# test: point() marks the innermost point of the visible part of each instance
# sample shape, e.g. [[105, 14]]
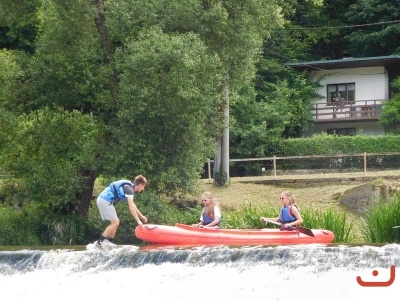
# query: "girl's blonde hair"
[[209, 209], [292, 199]]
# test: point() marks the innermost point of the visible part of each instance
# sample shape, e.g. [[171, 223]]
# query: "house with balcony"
[[353, 91]]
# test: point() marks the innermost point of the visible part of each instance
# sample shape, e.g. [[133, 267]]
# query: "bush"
[[35, 225], [19, 227]]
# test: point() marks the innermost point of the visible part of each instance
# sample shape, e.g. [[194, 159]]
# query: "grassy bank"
[[237, 193]]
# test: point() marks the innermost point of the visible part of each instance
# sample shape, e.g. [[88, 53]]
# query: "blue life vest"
[[207, 220], [114, 193], [286, 215]]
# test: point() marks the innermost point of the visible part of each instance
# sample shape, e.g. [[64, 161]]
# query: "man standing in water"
[[124, 191]]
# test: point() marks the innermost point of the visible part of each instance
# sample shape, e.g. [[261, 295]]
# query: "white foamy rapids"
[[171, 280]]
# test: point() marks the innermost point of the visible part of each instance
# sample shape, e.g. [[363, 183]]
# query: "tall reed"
[[377, 226], [330, 219], [247, 217]]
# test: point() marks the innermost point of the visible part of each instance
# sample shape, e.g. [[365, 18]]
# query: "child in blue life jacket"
[[289, 215], [210, 214]]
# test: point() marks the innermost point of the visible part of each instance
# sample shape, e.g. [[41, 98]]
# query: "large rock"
[[358, 198]]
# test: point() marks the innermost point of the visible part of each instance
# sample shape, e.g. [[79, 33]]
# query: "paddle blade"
[[304, 230]]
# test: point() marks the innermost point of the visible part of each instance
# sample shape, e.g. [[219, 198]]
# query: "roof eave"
[[346, 63]]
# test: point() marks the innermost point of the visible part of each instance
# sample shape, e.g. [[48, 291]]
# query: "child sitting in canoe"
[[210, 214], [289, 216]]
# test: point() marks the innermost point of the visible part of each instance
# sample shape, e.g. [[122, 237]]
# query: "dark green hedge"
[[332, 145]]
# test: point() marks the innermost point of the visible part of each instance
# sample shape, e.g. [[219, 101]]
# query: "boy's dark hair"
[[140, 179]]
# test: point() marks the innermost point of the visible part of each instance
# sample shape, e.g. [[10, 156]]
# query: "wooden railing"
[[362, 162], [355, 110]]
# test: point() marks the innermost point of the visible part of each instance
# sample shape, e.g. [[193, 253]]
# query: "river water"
[[132, 272]]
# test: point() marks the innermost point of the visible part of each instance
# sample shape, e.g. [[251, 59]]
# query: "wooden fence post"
[[365, 163], [274, 166]]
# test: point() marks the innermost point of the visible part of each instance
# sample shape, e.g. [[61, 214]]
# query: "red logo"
[[378, 283]]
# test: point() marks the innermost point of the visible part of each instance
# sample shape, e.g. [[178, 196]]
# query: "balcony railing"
[[363, 110]]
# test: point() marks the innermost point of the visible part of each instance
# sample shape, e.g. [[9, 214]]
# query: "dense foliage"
[[152, 86], [390, 116], [169, 87], [56, 165]]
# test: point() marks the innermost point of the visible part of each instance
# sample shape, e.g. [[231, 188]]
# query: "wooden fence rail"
[[274, 159]]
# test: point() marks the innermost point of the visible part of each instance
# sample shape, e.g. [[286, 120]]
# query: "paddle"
[[304, 230]]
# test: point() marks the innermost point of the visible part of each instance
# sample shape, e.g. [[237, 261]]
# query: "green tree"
[[18, 24], [169, 93], [11, 73], [255, 125], [330, 42], [67, 69], [374, 40], [72, 69], [390, 114], [286, 92], [237, 38], [48, 155], [55, 150], [233, 30], [260, 123]]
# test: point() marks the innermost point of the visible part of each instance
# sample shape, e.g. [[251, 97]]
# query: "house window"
[[344, 91], [342, 131]]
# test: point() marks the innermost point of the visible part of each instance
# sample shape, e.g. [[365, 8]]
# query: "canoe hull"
[[181, 234]]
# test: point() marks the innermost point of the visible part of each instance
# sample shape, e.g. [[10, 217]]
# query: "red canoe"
[[181, 234]]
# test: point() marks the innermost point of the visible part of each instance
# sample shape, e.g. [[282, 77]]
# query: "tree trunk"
[[100, 21], [225, 133], [85, 195], [106, 46], [221, 161]]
